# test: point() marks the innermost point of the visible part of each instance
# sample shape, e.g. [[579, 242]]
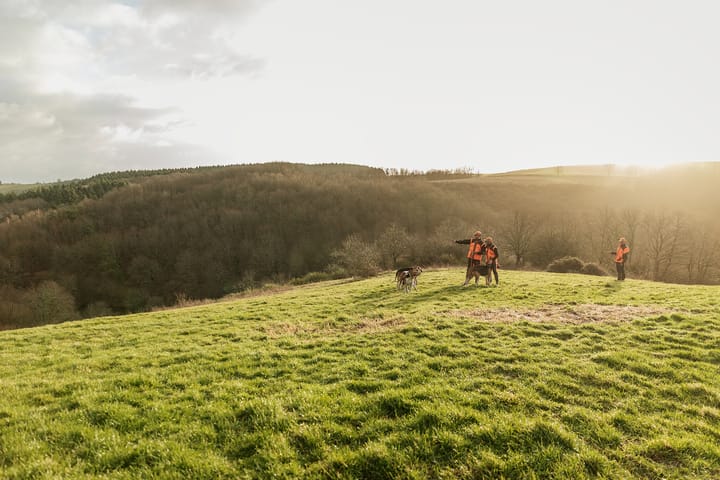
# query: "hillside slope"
[[14, 188], [133, 241], [548, 375]]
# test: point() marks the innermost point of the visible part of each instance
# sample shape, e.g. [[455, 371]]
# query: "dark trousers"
[[620, 270], [493, 267], [470, 267]]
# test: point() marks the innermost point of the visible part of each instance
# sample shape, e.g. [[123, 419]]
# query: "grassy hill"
[[16, 187], [546, 376], [689, 189], [127, 242]]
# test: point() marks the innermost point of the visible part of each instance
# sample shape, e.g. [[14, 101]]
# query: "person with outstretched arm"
[[475, 253]]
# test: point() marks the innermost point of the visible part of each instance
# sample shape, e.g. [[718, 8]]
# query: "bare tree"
[[678, 248], [663, 242], [602, 227], [630, 220], [702, 256], [392, 243], [518, 235]]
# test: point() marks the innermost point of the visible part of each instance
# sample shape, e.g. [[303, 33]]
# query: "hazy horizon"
[[580, 170], [92, 86]]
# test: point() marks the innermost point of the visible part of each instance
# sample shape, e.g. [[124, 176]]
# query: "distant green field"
[[16, 187], [545, 376]]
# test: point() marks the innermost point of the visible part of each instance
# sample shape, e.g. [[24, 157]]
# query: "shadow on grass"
[[612, 286], [390, 296]]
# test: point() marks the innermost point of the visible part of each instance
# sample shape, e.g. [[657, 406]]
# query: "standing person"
[[491, 258], [621, 256], [475, 253]]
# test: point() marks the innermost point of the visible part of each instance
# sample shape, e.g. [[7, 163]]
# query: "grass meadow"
[[14, 187], [546, 376]]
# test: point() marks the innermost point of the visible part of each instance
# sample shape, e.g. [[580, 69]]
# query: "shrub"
[[97, 309], [312, 277], [566, 265], [593, 269], [575, 265], [549, 247], [51, 303], [14, 314], [357, 257]]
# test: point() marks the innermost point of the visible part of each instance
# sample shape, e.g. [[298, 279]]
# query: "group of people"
[[483, 252]]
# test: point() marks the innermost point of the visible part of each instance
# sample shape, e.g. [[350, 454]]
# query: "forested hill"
[[202, 233], [16, 199]]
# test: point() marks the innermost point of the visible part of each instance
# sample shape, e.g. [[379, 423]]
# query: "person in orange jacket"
[[491, 258], [475, 253], [621, 256]]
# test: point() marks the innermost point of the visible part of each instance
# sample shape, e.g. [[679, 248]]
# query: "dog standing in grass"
[[478, 270], [406, 278]]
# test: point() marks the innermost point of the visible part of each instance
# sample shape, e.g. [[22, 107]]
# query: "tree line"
[[209, 232], [71, 192]]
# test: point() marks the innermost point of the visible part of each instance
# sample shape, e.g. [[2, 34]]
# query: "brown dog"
[[479, 270], [406, 278]]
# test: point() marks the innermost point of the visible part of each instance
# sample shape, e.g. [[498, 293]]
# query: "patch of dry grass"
[[573, 314]]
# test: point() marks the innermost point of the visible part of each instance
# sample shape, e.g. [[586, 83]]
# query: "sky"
[[91, 86]]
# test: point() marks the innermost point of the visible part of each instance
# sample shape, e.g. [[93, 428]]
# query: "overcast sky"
[[89, 86]]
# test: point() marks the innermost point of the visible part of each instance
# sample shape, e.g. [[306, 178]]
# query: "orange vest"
[[621, 250], [490, 254], [475, 251]]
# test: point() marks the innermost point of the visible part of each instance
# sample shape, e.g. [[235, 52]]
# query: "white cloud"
[[80, 81], [200, 9], [86, 85]]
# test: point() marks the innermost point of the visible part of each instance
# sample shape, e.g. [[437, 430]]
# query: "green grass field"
[[15, 187], [546, 376]]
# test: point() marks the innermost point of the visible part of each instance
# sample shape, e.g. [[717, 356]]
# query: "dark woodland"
[[133, 241]]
